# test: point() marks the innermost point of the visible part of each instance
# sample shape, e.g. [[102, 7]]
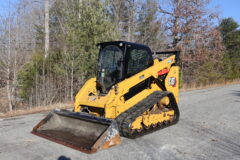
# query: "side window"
[[110, 56], [110, 65], [138, 60]]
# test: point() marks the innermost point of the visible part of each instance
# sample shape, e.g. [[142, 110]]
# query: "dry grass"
[[3, 99], [36, 110], [196, 87]]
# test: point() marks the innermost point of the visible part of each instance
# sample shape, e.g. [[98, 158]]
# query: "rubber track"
[[125, 119]]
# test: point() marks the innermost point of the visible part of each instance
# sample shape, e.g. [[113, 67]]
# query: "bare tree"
[[190, 25], [46, 28], [124, 13], [9, 62], [131, 19]]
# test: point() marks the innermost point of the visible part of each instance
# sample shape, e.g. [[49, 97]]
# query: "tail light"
[[163, 71]]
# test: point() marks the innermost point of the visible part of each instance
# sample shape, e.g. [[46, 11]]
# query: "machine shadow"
[[236, 93], [63, 158]]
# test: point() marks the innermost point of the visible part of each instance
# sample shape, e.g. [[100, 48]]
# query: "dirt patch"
[[196, 87], [36, 110], [3, 100], [14, 118]]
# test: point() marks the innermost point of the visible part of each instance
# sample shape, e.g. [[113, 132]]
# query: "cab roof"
[[124, 43]]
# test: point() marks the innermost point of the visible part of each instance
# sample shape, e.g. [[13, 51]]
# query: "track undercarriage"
[[148, 115]]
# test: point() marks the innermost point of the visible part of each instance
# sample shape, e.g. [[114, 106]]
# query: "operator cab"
[[119, 60]]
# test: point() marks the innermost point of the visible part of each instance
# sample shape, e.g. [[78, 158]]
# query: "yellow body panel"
[[149, 119], [114, 103], [165, 101], [137, 124]]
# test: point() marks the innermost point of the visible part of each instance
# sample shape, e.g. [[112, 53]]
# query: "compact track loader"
[[132, 94]]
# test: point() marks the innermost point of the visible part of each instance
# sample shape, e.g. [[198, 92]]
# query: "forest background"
[[48, 47]]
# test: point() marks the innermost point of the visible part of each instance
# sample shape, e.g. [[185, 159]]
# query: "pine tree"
[[231, 39], [75, 29]]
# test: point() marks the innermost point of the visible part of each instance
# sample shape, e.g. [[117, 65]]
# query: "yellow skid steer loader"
[[133, 94]]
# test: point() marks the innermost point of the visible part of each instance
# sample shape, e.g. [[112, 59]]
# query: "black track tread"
[[125, 119]]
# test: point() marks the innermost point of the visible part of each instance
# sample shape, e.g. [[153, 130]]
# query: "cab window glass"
[[138, 60]]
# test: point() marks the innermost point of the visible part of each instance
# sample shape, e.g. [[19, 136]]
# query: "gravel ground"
[[209, 128]]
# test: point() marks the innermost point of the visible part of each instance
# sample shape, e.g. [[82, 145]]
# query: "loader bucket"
[[84, 132]]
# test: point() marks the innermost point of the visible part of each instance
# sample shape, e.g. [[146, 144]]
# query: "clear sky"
[[4, 6], [226, 8]]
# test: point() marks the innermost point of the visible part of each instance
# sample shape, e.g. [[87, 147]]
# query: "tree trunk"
[[9, 65], [14, 83], [46, 47], [131, 20], [72, 77], [46, 28]]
